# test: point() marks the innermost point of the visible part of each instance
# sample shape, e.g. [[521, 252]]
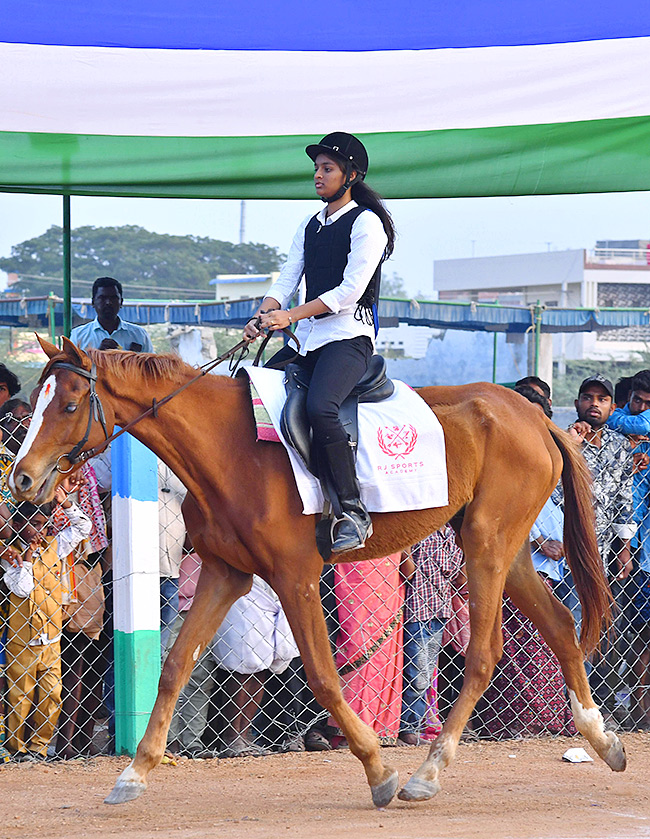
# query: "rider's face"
[[329, 177]]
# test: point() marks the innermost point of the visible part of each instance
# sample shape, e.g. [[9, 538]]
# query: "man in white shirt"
[[108, 330]]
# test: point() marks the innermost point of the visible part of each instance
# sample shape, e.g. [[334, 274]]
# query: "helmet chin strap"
[[340, 192]]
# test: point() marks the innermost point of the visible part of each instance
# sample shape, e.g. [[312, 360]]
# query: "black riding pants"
[[335, 369]]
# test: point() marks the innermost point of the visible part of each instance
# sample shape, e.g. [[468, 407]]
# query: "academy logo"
[[397, 441]]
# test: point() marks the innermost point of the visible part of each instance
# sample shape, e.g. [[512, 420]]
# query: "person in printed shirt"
[[427, 608], [609, 456], [610, 459], [339, 251], [35, 581], [633, 419]]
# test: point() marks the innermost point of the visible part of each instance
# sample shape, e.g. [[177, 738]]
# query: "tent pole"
[[67, 269], [538, 333], [51, 317]]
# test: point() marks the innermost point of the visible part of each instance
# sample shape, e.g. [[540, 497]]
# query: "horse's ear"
[[50, 350], [76, 355]]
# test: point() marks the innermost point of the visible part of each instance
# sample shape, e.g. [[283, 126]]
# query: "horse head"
[[65, 407]]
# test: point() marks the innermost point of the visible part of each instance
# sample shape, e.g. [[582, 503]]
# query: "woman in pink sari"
[[370, 599]]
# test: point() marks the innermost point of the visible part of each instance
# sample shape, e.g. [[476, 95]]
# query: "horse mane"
[[151, 366]]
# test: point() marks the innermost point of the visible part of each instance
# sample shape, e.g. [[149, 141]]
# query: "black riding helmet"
[[349, 150]]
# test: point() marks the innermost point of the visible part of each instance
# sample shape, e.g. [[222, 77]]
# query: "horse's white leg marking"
[[44, 398], [128, 786], [129, 774], [589, 722]]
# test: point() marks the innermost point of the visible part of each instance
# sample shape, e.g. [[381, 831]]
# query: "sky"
[[428, 229]]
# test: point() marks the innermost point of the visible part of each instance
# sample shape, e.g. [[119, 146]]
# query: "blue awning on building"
[[481, 317]]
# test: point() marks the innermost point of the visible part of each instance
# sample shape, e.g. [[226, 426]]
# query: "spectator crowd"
[[398, 625]]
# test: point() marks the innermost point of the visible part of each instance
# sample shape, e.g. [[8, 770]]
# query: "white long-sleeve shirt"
[[367, 244]]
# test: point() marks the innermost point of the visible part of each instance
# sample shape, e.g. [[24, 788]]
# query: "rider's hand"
[[277, 319], [251, 332]]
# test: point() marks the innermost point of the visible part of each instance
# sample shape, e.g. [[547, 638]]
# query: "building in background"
[[242, 286], [614, 273], [404, 341]]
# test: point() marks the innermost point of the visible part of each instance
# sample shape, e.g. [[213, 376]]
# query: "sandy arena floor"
[[492, 791]]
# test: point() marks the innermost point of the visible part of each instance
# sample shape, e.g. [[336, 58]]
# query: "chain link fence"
[[398, 628]]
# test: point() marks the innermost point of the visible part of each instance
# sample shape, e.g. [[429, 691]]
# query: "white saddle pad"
[[401, 462]]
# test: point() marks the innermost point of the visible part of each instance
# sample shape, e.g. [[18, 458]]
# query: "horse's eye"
[[71, 408]]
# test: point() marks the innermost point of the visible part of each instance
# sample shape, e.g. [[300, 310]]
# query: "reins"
[[96, 410]]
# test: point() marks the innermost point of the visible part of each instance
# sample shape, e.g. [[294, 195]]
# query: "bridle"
[[96, 409], [95, 413]]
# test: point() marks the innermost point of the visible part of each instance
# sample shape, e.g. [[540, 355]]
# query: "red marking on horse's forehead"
[[48, 388]]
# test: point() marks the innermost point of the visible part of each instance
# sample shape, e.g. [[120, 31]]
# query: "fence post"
[[136, 589]]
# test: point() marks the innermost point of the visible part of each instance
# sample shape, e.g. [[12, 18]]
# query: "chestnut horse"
[[244, 516]]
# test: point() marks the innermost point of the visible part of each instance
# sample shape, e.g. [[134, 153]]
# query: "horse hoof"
[[616, 758], [417, 789], [383, 793], [127, 787]]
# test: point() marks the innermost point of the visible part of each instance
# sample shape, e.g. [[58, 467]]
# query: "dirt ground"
[[493, 791]]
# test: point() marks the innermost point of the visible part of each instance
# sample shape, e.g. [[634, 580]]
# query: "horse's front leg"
[[299, 594], [218, 587]]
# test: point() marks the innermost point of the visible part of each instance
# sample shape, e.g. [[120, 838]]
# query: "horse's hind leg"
[[218, 587], [555, 622], [301, 602], [485, 578]]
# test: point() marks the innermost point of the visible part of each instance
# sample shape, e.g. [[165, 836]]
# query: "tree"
[[147, 264], [393, 286], [565, 388]]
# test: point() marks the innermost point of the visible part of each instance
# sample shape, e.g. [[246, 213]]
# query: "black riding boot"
[[354, 526]]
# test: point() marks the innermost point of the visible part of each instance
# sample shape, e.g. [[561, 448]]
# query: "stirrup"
[[361, 537]]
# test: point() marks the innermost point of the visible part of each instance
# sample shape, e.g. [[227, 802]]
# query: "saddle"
[[294, 423]]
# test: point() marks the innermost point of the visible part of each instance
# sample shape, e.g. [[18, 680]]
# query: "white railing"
[[620, 256]]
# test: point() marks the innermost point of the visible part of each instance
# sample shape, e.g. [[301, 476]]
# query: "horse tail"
[[580, 545]]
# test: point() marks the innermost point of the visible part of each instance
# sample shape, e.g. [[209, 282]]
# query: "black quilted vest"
[[327, 248]]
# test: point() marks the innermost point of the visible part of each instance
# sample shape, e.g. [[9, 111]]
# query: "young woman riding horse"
[[339, 251]]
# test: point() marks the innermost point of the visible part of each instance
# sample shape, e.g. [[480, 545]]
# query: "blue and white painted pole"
[[136, 589]]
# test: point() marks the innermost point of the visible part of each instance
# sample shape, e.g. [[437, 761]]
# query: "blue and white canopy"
[[197, 98]]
